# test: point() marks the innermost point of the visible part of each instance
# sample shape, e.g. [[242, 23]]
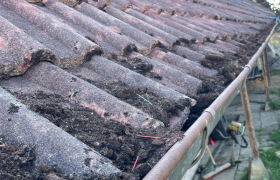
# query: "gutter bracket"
[[248, 66], [211, 111]]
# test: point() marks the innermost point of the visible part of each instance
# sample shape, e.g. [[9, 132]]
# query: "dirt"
[[211, 88], [13, 109], [145, 99], [233, 63], [134, 64], [18, 162], [206, 94], [228, 69], [203, 102], [119, 142]]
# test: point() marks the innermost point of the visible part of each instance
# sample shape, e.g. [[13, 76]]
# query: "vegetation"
[[260, 134], [245, 174], [271, 162], [275, 72], [275, 102], [275, 91], [273, 7]]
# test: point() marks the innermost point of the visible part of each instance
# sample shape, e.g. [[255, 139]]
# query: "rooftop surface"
[[149, 64]]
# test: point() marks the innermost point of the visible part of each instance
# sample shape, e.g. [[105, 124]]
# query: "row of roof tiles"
[[82, 28]]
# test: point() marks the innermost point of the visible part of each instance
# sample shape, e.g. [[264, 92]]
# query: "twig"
[[227, 46], [199, 44], [153, 137], [135, 163], [144, 99]]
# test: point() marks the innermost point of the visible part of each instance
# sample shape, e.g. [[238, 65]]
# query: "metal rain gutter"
[[175, 163]]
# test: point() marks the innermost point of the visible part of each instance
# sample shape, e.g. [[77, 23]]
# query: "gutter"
[[179, 158]]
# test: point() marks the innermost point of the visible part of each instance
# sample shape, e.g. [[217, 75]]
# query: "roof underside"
[[173, 49]]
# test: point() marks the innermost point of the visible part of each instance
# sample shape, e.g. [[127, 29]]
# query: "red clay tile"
[[172, 77], [118, 25], [163, 36], [210, 35], [183, 37], [53, 145], [101, 32], [18, 51], [199, 36], [182, 64], [77, 90], [188, 54]]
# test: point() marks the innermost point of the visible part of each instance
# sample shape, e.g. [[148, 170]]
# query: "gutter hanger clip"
[[211, 111]]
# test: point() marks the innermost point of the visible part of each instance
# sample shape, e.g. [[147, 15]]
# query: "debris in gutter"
[[117, 141], [153, 137]]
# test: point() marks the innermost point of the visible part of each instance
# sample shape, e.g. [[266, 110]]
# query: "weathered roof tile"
[[18, 51], [99, 31], [117, 25], [183, 37], [163, 36], [184, 65], [199, 36], [210, 35], [53, 146]]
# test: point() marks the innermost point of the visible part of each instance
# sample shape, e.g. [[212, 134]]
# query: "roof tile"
[[183, 37], [182, 64], [143, 26], [117, 25], [99, 31], [18, 51], [53, 146], [199, 36]]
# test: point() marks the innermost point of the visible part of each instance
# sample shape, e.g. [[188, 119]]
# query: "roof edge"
[[163, 169]]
